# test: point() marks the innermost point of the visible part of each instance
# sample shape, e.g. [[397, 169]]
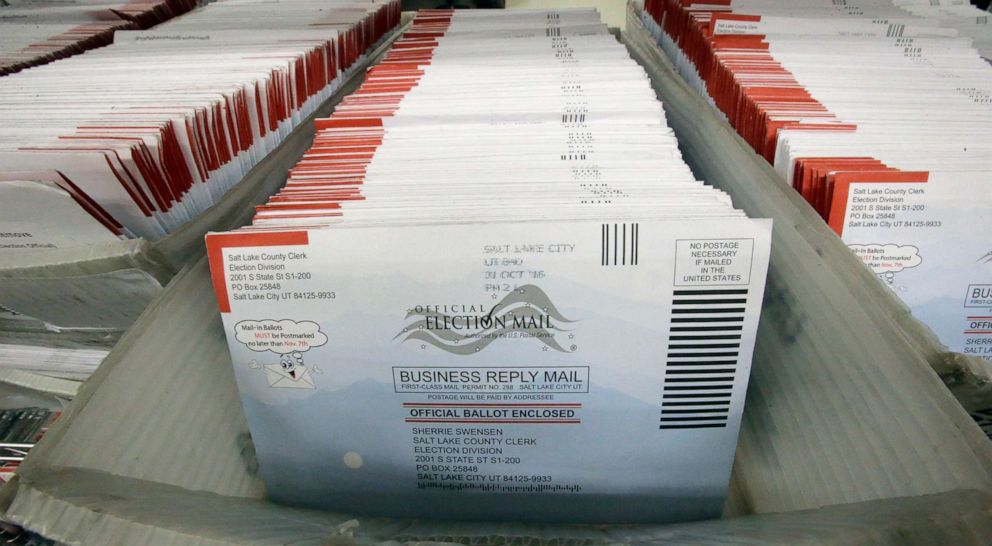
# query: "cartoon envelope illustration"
[[282, 379]]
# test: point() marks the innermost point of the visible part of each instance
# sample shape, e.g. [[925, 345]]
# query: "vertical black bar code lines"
[[620, 244]]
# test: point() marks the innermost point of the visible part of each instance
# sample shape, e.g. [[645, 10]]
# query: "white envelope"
[[282, 379]]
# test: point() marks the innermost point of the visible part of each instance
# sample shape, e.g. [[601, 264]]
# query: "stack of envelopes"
[[148, 140], [493, 289], [879, 113], [38, 32]]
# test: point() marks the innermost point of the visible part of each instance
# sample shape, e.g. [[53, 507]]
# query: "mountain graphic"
[[301, 447]]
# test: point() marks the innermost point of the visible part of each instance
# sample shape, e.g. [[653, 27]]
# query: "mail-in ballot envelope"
[[545, 370], [512, 298]]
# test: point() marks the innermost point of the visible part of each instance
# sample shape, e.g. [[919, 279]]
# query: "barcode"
[[704, 343], [619, 244]]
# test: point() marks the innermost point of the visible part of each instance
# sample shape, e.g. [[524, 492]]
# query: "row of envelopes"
[[495, 238], [138, 138], [879, 113], [107, 158], [37, 32]]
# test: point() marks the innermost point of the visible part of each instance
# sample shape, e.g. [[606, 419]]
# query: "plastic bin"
[[849, 437]]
